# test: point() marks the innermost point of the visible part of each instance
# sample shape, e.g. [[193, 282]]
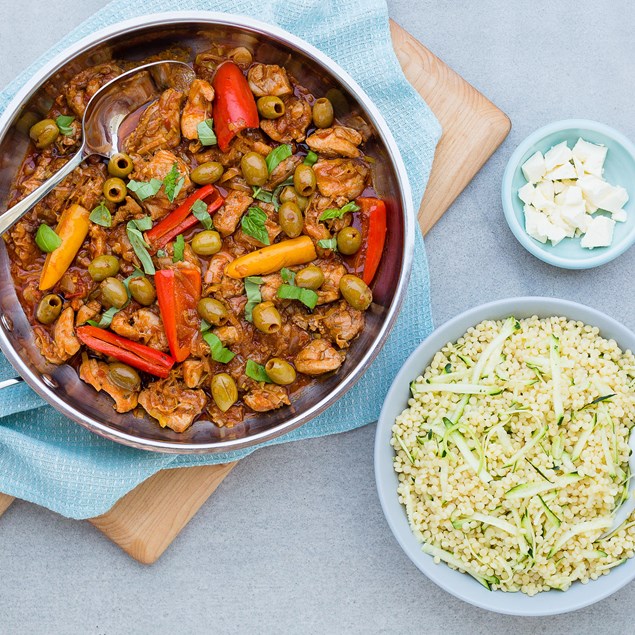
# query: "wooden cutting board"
[[145, 521]]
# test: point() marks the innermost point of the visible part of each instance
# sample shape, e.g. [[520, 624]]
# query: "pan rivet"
[[50, 382], [7, 322]]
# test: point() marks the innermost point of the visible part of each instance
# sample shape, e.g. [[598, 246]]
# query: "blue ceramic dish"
[[619, 169]]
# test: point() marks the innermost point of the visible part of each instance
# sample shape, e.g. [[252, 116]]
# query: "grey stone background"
[[294, 540]]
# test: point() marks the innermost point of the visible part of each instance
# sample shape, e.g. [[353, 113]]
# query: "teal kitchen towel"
[[46, 459]]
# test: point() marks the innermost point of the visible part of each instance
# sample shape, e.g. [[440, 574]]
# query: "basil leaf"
[[199, 209], [287, 275], [46, 239], [106, 318], [275, 199], [311, 158], [218, 351], [173, 182], [144, 190], [205, 326], [327, 214], [262, 195], [205, 132], [140, 246], [179, 248], [64, 124], [253, 224], [256, 371], [161, 253], [101, 215], [277, 155], [308, 297], [328, 243], [252, 290], [142, 224]]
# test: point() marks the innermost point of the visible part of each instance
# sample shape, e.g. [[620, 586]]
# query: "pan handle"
[[10, 382]]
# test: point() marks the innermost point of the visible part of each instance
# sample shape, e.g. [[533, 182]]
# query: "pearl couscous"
[[512, 456]]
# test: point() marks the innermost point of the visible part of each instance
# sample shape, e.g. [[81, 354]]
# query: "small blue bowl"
[[619, 169]]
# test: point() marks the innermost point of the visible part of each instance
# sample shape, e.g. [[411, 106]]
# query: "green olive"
[[206, 173], [242, 56], [322, 113], [212, 311], [113, 293], [290, 219], [254, 169], [224, 391], [270, 107], [266, 317], [120, 165], [142, 290], [310, 277], [207, 243], [115, 190], [124, 376], [49, 308], [44, 133], [103, 267], [356, 292], [349, 240], [280, 371], [304, 180], [289, 195]]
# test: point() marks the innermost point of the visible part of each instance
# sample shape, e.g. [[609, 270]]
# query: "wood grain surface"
[[145, 521]]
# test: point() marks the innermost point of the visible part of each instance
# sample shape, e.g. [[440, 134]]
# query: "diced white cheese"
[[571, 195], [526, 193], [574, 215], [558, 187], [591, 155], [534, 224], [534, 168], [579, 167], [546, 189], [562, 172], [613, 199], [594, 189], [542, 203], [558, 155], [619, 216], [599, 233], [590, 208], [558, 220]]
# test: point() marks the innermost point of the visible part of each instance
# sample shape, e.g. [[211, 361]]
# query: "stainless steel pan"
[[138, 39]]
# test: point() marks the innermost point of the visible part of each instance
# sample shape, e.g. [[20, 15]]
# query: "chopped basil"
[[106, 318], [287, 275], [143, 224], [46, 239], [328, 214], [179, 248], [308, 297], [205, 326], [101, 215], [275, 198], [64, 124], [311, 158], [253, 224], [262, 195], [144, 190], [328, 243], [161, 253], [277, 155], [218, 351], [256, 371], [252, 290], [173, 182], [199, 209], [205, 132], [134, 229]]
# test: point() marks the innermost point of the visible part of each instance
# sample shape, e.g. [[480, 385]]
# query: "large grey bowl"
[[137, 39], [460, 584]]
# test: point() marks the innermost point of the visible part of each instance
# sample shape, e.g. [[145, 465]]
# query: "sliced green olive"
[[349, 240], [289, 195], [322, 113], [206, 173], [311, 277], [113, 293], [290, 219], [266, 317], [142, 290], [356, 292], [44, 133], [280, 371], [304, 180], [212, 311], [224, 391], [207, 243], [254, 168], [115, 190], [124, 376], [103, 267], [270, 107], [120, 165], [49, 309]]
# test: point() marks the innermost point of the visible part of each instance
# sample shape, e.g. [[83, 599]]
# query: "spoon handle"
[[14, 214]]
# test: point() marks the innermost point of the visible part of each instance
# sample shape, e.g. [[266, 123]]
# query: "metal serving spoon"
[[103, 116]]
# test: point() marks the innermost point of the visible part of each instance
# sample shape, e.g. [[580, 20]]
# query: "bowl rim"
[[507, 195], [405, 194], [386, 479]]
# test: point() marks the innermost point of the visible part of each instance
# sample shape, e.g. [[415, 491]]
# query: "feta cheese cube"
[[562, 172], [599, 233], [526, 193], [579, 167], [594, 189], [542, 203], [613, 198], [558, 155], [559, 187], [534, 223], [571, 195], [591, 155], [620, 215], [546, 189], [555, 234], [534, 168], [573, 215]]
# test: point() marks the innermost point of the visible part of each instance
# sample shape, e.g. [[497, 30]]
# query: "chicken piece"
[[283, 171], [271, 225], [313, 227], [219, 284], [159, 125], [341, 177], [228, 216], [88, 311], [293, 124], [97, 241], [198, 108], [157, 167], [268, 397], [172, 404], [66, 341], [129, 210], [228, 335], [317, 357], [289, 340], [337, 141], [216, 268], [228, 419], [269, 79], [120, 246], [141, 325], [95, 373], [269, 287], [85, 84], [22, 246], [193, 370], [358, 123], [248, 140], [342, 324], [333, 271]]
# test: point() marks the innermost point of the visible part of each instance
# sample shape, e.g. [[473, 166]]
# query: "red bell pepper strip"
[[178, 292], [181, 218], [234, 107], [372, 215], [138, 355]]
